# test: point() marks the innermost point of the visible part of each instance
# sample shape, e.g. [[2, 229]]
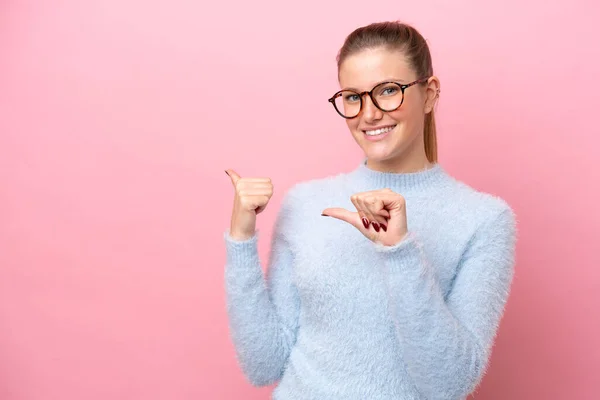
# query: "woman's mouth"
[[378, 133]]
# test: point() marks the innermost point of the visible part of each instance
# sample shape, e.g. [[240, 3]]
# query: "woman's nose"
[[370, 111]]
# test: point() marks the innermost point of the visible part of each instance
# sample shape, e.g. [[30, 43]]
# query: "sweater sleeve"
[[447, 341], [262, 308]]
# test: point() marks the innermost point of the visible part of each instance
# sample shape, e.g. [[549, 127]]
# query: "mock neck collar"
[[427, 178]]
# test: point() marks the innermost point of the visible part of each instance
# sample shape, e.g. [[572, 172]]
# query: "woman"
[[399, 295]]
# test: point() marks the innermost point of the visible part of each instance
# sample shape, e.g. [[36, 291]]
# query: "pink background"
[[117, 119]]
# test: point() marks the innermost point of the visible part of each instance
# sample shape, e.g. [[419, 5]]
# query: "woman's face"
[[389, 139]]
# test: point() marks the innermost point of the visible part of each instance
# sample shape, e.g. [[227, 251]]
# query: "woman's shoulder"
[[313, 188], [475, 204], [306, 198]]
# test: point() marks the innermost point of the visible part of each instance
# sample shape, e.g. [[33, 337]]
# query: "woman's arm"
[[447, 342], [262, 311]]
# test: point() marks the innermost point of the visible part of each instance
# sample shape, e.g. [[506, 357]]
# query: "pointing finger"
[[342, 214]]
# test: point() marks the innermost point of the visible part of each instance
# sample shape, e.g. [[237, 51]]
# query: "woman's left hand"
[[380, 216]]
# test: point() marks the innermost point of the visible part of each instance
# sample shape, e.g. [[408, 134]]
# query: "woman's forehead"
[[365, 69]]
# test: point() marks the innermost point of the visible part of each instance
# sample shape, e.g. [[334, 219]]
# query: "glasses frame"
[[403, 87]]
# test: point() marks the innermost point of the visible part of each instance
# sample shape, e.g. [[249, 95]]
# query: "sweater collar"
[[369, 179]]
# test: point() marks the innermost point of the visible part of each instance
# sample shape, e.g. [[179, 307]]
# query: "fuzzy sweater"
[[339, 317]]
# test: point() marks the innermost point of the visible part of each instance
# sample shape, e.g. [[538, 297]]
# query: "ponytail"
[[429, 136]]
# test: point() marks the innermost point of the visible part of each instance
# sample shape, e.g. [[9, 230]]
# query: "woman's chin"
[[377, 153]]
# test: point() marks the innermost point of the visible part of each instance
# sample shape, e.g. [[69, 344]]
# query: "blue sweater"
[[339, 317]]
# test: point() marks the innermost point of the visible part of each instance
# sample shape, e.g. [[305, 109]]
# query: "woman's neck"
[[401, 164]]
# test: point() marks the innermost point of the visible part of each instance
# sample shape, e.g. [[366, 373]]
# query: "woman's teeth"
[[379, 131]]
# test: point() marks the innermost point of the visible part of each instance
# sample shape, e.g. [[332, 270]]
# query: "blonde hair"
[[395, 35]]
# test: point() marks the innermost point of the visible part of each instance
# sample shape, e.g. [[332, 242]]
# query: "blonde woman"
[[385, 282]]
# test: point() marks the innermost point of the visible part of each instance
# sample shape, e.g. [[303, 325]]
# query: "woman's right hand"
[[251, 198]]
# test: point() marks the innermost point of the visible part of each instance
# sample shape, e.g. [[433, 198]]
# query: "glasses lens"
[[347, 103], [388, 96]]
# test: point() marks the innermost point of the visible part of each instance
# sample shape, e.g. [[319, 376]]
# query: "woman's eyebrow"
[[378, 83]]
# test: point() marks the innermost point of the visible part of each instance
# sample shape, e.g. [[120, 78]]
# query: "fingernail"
[[376, 226], [227, 173], [384, 227], [324, 215], [365, 222]]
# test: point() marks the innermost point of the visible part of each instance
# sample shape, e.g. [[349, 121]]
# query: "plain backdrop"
[[117, 119]]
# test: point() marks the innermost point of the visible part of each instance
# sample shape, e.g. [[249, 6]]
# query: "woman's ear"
[[432, 93]]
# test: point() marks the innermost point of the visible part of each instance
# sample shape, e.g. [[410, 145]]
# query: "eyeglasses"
[[386, 96]]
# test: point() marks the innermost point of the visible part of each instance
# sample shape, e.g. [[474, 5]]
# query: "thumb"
[[233, 175], [342, 214]]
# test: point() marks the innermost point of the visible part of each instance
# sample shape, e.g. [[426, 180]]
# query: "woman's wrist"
[[240, 235]]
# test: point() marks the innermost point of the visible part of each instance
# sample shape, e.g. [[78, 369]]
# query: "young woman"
[[399, 294]]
